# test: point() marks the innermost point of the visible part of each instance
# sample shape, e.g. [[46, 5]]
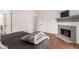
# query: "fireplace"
[[67, 32]]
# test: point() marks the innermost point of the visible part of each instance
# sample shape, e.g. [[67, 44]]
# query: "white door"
[[22, 20]]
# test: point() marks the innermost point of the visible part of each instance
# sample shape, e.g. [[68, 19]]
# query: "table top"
[[12, 41]]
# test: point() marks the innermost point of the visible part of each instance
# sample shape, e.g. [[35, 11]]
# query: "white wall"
[[71, 12], [47, 21], [8, 22], [74, 12], [22, 20]]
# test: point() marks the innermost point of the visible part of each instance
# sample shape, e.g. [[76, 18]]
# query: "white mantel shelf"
[[73, 18]]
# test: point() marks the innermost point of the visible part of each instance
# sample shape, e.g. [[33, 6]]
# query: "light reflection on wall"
[[1, 19]]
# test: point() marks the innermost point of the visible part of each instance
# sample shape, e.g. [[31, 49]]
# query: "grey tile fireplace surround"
[[72, 30]]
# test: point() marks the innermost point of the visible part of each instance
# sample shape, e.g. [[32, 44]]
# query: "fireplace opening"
[[65, 32]]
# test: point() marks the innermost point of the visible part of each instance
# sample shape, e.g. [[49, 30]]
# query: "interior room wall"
[[22, 20], [74, 12], [47, 21]]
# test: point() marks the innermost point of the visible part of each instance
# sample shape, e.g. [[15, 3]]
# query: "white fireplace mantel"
[[68, 18], [72, 24]]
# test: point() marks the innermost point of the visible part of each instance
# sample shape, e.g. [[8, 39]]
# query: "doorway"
[[2, 23]]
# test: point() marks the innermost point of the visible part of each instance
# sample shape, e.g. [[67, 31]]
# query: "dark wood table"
[[12, 41]]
